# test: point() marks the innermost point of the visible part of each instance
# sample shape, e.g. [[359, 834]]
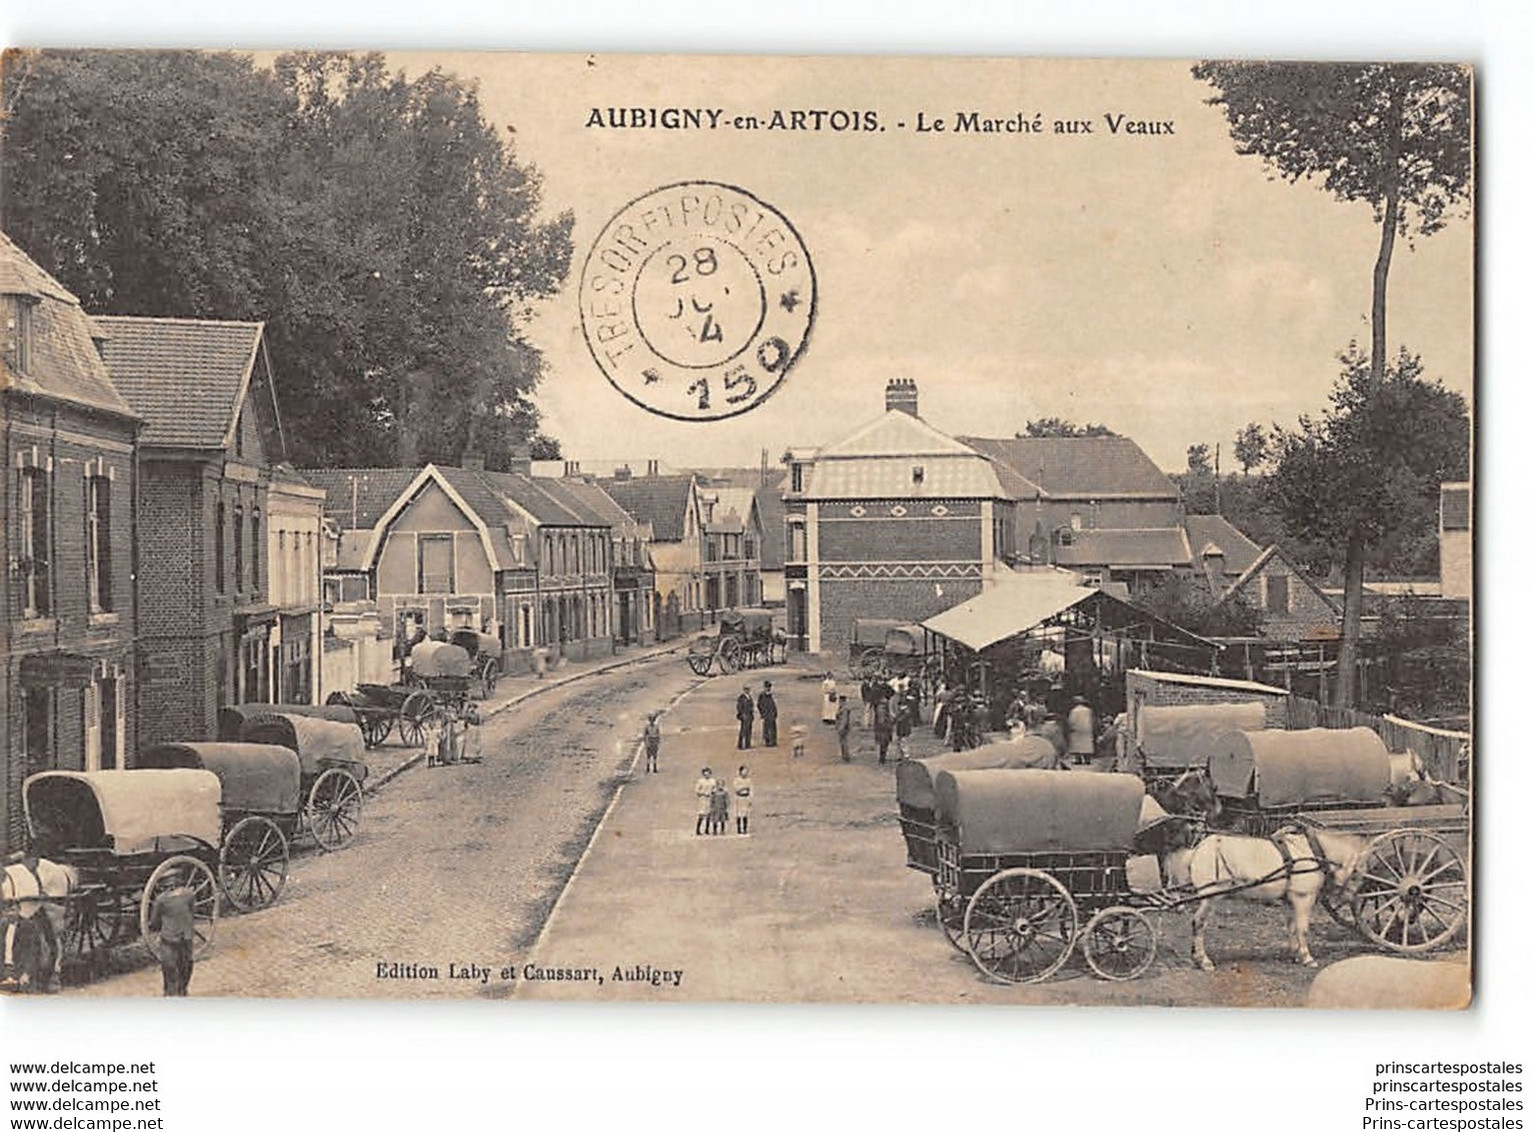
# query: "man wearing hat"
[[766, 707], [745, 712], [1080, 732]]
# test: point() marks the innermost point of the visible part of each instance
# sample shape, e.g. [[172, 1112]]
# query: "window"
[[435, 564], [255, 549], [21, 335], [39, 711], [36, 543], [90, 713], [220, 582], [1075, 520], [796, 477], [239, 548], [918, 474], [98, 542], [1277, 593]]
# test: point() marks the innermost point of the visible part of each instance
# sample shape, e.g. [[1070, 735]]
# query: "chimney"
[[623, 472], [901, 394], [571, 468], [653, 468], [520, 463]]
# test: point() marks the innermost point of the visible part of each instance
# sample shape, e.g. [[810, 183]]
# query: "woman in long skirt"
[[829, 701], [743, 788]]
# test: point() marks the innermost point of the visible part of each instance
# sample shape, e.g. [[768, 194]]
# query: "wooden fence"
[[1446, 754]]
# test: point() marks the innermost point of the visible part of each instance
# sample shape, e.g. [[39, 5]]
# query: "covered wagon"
[[332, 769], [1170, 740]]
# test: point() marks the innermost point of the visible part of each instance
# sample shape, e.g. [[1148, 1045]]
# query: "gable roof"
[[896, 433], [376, 490], [63, 362], [739, 501], [660, 501], [1239, 551], [1254, 571], [186, 377], [1083, 466]]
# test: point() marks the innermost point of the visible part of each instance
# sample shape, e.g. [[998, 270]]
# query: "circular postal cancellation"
[[696, 300]]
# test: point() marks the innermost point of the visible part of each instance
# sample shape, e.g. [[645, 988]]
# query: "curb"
[[521, 698]]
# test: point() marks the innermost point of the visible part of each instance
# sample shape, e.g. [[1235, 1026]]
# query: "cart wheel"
[[178, 872], [950, 908], [413, 714], [335, 809], [1020, 926], [1410, 891], [93, 921], [1119, 943], [252, 863], [700, 662], [376, 726], [730, 655]]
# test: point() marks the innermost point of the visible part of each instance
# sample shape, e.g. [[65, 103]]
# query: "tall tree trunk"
[[406, 426], [1352, 593]]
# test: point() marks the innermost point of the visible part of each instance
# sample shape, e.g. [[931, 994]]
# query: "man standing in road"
[[745, 712], [767, 707], [652, 744], [844, 727], [173, 915]]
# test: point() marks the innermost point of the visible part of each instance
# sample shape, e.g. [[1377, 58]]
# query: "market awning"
[[1011, 607]]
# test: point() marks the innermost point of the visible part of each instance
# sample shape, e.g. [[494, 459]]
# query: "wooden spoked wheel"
[[375, 725], [1119, 943], [252, 863], [179, 872], [950, 909], [731, 655], [94, 920], [1410, 891], [335, 809], [413, 715], [1020, 926]]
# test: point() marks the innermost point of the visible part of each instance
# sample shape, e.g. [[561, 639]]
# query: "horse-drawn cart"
[[260, 800], [331, 770], [746, 638], [379, 707], [887, 648], [1410, 889], [484, 653], [1032, 862], [126, 836]]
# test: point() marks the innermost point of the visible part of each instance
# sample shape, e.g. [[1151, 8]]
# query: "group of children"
[[713, 802]]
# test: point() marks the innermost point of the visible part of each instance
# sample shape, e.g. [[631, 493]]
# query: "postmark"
[[696, 300]]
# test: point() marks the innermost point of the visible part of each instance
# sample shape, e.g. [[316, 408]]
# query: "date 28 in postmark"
[[696, 300]]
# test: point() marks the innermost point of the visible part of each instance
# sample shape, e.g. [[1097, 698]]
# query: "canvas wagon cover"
[[1290, 768], [438, 658], [915, 779], [1040, 811], [905, 640], [475, 642], [127, 811], [319, 743], [255, 777], [1181, 736], [232, 719]]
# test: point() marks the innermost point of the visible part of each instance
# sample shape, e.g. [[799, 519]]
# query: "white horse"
[[34, 892], [1292, 867]]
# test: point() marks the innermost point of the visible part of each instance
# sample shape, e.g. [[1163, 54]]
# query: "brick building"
[[731, 548], [67, 671], [672, 507], [527, 559], [897, 520], [211, 438]]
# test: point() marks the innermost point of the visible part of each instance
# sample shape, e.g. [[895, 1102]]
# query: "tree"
[[1251, 447], [378, 225], [1371, 466], [1058, 426], [1187, 602], [1396, 136], [1200, 461]]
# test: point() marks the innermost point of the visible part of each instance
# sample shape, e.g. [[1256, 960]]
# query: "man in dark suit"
[[767, 707], [745, 712]]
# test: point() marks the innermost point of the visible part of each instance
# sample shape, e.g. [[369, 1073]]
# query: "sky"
[[1161, 285]]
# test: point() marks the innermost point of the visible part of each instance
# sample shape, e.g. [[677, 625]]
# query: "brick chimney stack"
[[520, 463], [901, 394]]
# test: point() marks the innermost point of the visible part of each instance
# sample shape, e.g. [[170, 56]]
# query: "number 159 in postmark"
[[696, 299]]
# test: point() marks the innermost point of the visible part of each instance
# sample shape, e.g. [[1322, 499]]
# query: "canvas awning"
[[1011, 607]]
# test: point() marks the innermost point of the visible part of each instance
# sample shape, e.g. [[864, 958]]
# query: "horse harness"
[[1316, 862]]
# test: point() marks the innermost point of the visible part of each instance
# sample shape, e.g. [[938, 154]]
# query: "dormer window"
[[796, 475]]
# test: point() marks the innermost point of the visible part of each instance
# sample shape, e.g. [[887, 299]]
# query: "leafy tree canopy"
[[1373, 462], [1189, 603], [1058, 426], [378, 225]]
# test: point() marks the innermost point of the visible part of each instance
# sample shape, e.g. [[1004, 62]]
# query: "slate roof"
[[660, 501], [63, 363], [1086, 466], [376, 491], [944, 476], [897, 433], [185, 377], [736, 500], [1239, 551], [1144, 547]]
